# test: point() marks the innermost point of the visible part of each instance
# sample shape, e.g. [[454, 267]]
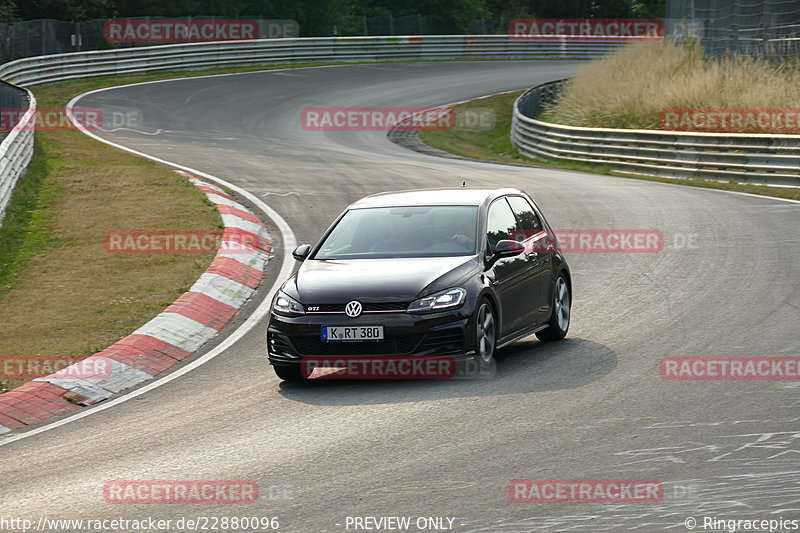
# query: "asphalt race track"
[[595, 406]]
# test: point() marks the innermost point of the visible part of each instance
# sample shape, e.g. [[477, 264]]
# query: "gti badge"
[[353, 309]]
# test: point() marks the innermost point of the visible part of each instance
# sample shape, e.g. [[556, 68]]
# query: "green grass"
[[27, 225], [476, 142]]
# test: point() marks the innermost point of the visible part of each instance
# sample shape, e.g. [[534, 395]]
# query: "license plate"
[[352, 333]]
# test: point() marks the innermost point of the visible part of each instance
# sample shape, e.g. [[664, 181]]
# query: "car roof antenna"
[[464, 183]]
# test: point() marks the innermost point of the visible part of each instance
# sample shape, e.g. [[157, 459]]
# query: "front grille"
[[367, 307], [386, 306], [392, 345], [444, 340]]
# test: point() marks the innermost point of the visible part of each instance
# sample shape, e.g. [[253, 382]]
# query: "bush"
[[630, 88]]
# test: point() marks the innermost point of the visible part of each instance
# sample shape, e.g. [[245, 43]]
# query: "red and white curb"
[[174, 334]]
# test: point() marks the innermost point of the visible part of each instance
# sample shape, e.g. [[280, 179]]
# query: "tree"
[[318, 17], [8, 12], [75, 10]]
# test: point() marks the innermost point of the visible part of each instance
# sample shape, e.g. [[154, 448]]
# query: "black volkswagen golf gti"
[[423, 274]]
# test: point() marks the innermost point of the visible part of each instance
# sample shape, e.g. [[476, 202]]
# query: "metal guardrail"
[[16, 148], [753, 158], [44, 69]]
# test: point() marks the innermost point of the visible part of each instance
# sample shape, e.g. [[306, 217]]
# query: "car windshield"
[[424, 231]]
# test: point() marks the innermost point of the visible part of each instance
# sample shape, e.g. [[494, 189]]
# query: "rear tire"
[[290, 373], [558, 324]]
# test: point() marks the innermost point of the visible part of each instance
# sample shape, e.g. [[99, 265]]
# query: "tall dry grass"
[[630, 88]]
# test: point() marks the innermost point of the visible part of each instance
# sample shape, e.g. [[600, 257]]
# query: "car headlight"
[[288, 306], [441, 301]]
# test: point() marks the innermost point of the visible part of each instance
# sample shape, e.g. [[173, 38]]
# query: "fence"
[[753, 158], [31, 38], [408, 25], [766, 27], [47, 37]]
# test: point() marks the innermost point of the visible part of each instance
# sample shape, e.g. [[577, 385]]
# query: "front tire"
[[560, 317], [485, 334]]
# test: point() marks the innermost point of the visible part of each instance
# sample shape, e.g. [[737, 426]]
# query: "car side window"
[[501, 224], [528, 220]]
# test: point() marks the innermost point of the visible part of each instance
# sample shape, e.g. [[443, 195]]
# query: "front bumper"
[[290, 339]]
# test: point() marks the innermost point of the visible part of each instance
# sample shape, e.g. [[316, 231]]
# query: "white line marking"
[[114, 130]]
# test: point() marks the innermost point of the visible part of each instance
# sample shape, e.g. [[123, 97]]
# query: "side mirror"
[[506, 248], [301, 252]]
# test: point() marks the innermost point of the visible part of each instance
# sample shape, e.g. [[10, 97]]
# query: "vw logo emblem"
[[353, 309]]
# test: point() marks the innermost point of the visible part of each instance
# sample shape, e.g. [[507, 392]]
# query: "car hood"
[[377, 280]]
